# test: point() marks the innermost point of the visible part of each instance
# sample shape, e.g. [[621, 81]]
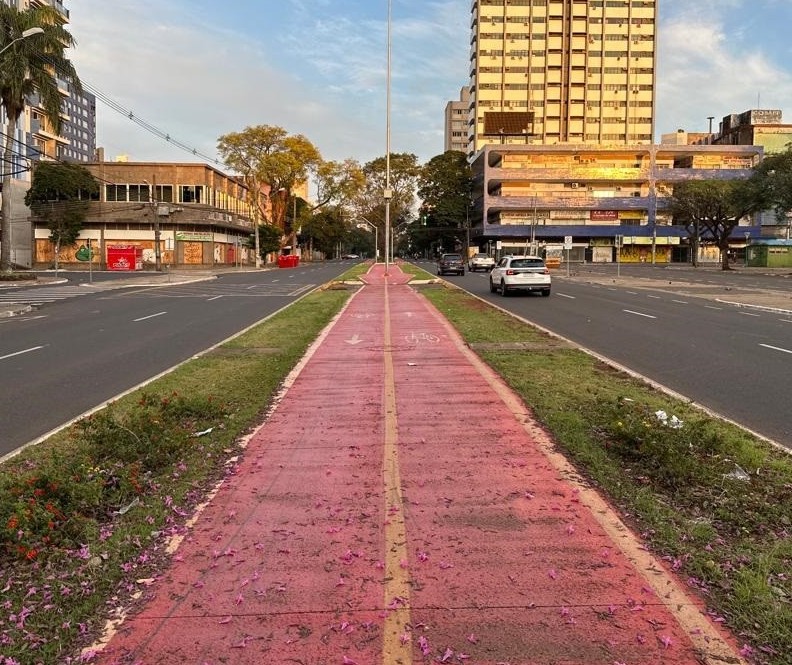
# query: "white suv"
[[520, 273]]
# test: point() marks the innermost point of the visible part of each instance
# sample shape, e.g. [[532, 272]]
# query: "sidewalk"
[[399, 506]]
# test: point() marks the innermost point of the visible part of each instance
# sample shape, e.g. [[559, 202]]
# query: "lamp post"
[[747, 235], [388, 193], [25, 34], [376, 237]]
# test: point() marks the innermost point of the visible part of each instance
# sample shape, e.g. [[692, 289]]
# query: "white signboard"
[[567, 242]]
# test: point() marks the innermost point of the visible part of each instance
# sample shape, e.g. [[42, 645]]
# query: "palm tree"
[[31, 65]]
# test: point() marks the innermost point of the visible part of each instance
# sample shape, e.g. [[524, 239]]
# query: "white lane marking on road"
[[633, 293], [655, 297], [355, 339], [681, 302], [564, 295], [151, 316], [750, 314], [785, 320], [776, 348], [19, 353], [215, 298], [648, 316], [711, 307]]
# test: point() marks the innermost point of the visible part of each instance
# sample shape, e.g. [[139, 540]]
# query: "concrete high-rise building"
[[456, 122], [79, 128], [562, 71]]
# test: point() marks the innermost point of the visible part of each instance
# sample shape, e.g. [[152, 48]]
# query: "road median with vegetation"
[[88, 517]]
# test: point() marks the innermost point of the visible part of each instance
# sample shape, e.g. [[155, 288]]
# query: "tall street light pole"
[[25, 34], [388, 193]]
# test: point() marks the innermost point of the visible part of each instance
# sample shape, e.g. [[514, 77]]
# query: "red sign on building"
[[124, 257], [604, 215]]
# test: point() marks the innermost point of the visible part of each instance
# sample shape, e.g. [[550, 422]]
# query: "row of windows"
[[517, 103], [163, 194], [610, 87], [594, 4], [618, 21], [136, 193]]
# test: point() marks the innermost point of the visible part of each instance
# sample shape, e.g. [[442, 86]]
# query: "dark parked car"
[[450, 263]]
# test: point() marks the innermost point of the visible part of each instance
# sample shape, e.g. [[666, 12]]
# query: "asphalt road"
[[734, 361], [68, 356]]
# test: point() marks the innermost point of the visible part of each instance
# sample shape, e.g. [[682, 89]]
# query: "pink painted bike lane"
[[285, 563], [399, 507]]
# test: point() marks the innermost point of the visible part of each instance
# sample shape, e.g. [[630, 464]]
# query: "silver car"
[[520, 273]]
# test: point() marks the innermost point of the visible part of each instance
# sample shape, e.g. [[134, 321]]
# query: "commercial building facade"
[[600, 198], [192, 215]]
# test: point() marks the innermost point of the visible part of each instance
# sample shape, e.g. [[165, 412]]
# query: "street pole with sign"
[[568, 248]]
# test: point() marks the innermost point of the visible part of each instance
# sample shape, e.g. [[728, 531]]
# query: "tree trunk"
[[8, 169], [724, 249]]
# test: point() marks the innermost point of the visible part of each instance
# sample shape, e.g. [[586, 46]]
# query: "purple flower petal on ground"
[[423, 643]]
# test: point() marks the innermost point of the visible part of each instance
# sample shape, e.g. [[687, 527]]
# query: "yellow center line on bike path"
[[396, 647]]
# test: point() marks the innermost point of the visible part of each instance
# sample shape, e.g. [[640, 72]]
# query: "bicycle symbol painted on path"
[[422, 338]]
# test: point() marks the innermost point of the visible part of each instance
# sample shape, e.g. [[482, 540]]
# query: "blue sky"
[[201, 68]]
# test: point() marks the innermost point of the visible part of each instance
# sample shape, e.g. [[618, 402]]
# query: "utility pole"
[[155, 222]]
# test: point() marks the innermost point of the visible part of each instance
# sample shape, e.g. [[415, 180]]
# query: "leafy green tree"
[[445, 187], [773, 182], [269, 239], [270, 161], [370, 203], [338, 183], [325, 230], [713, 208], [35, 64], [59, 195]]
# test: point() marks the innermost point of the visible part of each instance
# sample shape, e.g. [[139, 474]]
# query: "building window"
[[191, 194], [115, 192]]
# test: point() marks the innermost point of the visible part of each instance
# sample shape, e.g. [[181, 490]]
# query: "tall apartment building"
[[79, 128], [562, 71], [456, 122]]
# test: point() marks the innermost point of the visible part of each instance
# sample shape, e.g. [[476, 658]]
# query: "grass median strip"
[[710, 499], [85, 517]]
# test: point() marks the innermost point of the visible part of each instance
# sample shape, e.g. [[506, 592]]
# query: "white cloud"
[[703, 72], [194, 81]]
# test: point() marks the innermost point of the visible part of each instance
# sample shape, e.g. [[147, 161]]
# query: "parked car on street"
[[520, 273], [450, 263], [481, 261]]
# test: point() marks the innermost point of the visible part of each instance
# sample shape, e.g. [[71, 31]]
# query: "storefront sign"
[[603, 215], [194, 236], [124, 257]]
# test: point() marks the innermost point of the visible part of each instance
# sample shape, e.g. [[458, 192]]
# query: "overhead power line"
[[151, 129]]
